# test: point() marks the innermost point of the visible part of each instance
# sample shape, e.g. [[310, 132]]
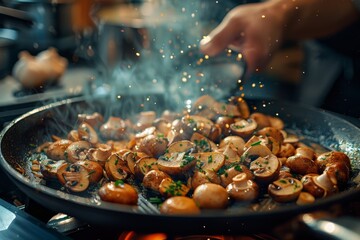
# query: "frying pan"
[[35, 127]]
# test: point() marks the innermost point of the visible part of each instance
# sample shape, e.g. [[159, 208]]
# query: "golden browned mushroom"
[[319, 185], [49, 168], [95, 171], [73, 136], [243, 128], [95, 119], [87, 133], [202, 143], [199, 124], [131, 157], [242, 188], [116, 168], [231, 154], [285, 189], [152, 145], [301, 165], [305, 152], [236, 141], [211, 196], [272, 132], [73, 177], [265, 169], [276, 122], [286, 150], [201, 177], [253, 152], [332, 157], [227, 175], [77, 151], [56, 150], [262, 120], [176, 163], [171, 188], [145, 120], [114, 128], [118, 192], [242, 106], [339, 171], [224, 123], [179, 205], [153, 178], [100, 154], [162, 125], [144, 165], [210, 161]]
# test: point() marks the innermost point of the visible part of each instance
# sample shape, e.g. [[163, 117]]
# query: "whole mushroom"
[[285, 189], [242, 188]]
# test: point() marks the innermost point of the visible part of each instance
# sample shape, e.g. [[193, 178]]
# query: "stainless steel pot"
[[52, 22]]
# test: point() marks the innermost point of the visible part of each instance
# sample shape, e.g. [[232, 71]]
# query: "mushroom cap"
[[179, 205], [242, 188], [285, 189], [122, 193], [301, 165], [244, 127], [211, 196], [74, 177], [331, 157], [266, 168]]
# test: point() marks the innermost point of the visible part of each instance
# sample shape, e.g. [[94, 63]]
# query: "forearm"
[[314, 18]]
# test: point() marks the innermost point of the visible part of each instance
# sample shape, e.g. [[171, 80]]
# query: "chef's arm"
[[315, 18]]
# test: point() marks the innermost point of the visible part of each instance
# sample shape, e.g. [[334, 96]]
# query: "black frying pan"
[[35, 127]]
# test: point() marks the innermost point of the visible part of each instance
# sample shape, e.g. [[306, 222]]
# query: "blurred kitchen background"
[[151, 46]]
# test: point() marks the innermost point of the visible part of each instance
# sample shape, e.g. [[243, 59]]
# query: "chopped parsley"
[[175, 189], [186, 160], [210, 159], [155, 200], [256, 143], [119, 182]]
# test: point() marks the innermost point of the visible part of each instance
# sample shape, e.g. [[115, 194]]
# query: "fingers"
[[219, 39]]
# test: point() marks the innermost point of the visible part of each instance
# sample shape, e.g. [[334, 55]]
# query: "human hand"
[[254, 30]]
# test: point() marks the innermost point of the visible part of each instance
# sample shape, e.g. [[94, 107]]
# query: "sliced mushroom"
[[145, 120], [319, 185], [236, 141], [202, 143], [114, 128], [153, 146], [73, 177], [286, 150], [339, 171], [180, 146], [131, 157], [211, 196], [266, 168], [227, 175], [276, 122], [301, 165], [285, 189], [224, 123], [95, 171], [118, 192], [176, 163], [95, 119], [116, 168], [144, 165], [231, 155], [146, 132], [201, 177], [198, 124], [162, 125], [87, 133], [242, 106], [73, 136], [253, 152], [261, 119], [56, 150], [243, 128], [242, 188], [49, 168], [272, 132], [171, 188], [332, 157], [210, 161], [153, 179], [77, 151], [179, 205], [100, 154]]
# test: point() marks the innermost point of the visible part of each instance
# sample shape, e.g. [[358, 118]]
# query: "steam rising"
[[165, 66]]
